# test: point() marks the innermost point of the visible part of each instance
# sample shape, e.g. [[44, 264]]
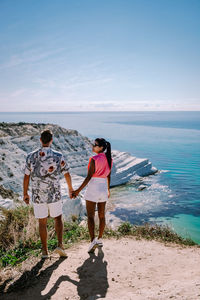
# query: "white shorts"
[[42, 210], [97, 190]]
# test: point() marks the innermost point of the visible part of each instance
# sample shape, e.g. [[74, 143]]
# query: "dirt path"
[[125, 269]]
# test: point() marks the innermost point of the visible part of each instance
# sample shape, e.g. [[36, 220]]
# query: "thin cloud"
[[29, 57], [81, 79], [18, 92]]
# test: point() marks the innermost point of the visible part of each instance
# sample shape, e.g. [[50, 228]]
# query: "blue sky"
[[66, 55]]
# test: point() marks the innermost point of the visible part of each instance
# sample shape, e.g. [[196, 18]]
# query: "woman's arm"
[[108, 179], [91, 171]]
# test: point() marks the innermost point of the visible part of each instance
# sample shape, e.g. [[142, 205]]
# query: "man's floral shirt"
[[45, 165]]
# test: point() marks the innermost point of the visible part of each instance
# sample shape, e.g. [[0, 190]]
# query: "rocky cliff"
[[17, 139]]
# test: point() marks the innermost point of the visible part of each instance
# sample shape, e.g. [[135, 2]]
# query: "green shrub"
[[19, 236], [125, 228]]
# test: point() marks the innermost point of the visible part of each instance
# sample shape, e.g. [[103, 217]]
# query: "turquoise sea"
[[171, 140]]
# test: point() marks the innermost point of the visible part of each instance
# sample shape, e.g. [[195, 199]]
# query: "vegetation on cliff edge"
[[19, 237]]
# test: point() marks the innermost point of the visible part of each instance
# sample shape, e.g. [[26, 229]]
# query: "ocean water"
[[171, 140]]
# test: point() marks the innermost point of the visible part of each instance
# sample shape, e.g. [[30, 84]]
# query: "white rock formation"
[[17, 139], [126, 166]]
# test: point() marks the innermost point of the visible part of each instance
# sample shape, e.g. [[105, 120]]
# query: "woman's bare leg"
[[90, 207], [101, 214]]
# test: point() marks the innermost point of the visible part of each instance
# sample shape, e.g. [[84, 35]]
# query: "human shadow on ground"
[[93, 283], [30, 279]]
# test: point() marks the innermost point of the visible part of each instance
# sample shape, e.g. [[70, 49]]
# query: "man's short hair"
[[46, 136]]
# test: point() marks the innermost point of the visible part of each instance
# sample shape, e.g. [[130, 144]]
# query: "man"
[[44, 167]]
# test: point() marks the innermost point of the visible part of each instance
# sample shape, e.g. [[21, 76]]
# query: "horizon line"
[[97, 111]]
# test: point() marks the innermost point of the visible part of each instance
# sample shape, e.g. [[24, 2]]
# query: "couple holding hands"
[[44, 166]]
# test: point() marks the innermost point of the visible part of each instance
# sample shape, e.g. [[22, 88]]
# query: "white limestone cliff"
[[17, 139]]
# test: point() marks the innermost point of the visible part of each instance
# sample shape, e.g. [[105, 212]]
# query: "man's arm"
[[26, 197], [69, 183]]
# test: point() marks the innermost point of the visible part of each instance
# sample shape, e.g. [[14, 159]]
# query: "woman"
[[98, 189]]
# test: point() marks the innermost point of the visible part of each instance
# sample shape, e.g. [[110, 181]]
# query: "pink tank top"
[[102, 169]]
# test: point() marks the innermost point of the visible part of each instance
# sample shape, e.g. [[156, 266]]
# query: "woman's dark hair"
[[46, 136], [106, 146]]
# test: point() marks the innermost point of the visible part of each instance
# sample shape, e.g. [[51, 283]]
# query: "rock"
[[17, 139], [141, 187]]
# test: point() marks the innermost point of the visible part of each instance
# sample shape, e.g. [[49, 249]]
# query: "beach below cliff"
[[125, 268]]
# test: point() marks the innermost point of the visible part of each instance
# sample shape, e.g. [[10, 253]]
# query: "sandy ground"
[[124, 269]]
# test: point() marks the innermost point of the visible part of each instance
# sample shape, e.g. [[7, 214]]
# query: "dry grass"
[[19, 240], [19, 235], [16, 225]]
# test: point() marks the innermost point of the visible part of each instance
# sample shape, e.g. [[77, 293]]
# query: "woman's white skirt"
[[97, 190]]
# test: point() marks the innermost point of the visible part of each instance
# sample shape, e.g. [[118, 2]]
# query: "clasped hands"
[[73, 194]]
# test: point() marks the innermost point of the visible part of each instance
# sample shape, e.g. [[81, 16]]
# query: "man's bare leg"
[[43, 235], [59, 230]]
